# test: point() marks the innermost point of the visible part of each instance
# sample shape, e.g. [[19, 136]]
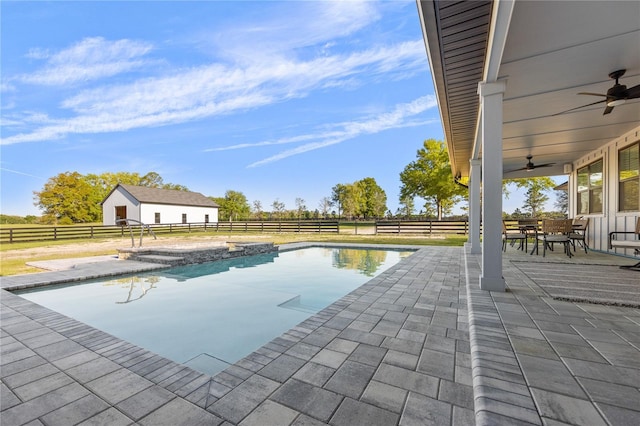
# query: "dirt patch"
[[111, 246]]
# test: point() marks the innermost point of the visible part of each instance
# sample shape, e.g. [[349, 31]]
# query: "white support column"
[[474, 207], [491, 108]]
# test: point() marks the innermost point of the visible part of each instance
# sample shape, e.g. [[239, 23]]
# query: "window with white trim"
[[629, 178], [590, 184]]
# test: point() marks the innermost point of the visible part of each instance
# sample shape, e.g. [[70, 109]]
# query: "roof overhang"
[[547, 52]]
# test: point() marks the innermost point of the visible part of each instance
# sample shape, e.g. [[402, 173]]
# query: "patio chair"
[[630, 243], [554, 231], [579, 233], [512, 236]]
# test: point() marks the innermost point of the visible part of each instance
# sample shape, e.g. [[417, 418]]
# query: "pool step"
[[159, 258]]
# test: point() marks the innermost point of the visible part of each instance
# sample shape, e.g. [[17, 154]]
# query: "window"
[[629, 178], [184, 218], [590, 188], [206, 218], [157, 218]]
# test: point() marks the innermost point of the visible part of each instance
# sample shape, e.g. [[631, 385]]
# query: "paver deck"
[[418, 345]]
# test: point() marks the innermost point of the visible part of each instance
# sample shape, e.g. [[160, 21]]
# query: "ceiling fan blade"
[[543, 165], [592, 94], [633, 92], [516, 170], [582, 106], [607, 110]]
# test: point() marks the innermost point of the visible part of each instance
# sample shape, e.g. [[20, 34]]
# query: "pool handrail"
[[142, 228]]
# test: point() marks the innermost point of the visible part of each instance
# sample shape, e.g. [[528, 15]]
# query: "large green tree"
[[429, 177], [233, 206], [71, 197], [361, 198], [373, 199], [68, 198]]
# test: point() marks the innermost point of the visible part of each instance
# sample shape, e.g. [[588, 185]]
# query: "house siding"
[[600, 225], [145, 211], [173, 214], [119, 198]]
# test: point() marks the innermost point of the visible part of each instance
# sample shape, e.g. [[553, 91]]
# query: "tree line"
[[71, 197]]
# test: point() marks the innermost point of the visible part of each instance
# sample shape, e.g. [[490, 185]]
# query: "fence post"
[[55, 233], [11, 235], [430, 227]]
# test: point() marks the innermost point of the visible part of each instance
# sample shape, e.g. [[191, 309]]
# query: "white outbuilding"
[[156, 205]]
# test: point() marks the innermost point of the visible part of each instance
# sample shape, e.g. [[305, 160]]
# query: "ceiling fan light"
[[615, 102]]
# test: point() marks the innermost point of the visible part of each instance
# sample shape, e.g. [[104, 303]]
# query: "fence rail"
[[55, 233], [422, 227]]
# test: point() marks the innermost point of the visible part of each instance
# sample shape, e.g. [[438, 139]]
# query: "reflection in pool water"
[[213, 314]]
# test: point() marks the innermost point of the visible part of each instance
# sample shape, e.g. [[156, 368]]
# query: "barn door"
[[121, 213]]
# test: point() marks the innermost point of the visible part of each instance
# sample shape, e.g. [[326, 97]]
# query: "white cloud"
[[90, 59], [280, 33], [16, 172], [218, 89], [404, 115]]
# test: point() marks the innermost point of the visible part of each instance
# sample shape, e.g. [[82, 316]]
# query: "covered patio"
[[535, 88]]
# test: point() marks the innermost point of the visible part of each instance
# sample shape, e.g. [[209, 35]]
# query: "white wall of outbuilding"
[[146, 212]]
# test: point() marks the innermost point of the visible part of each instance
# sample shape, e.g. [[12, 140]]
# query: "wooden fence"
[[422, 227], [54, 233]]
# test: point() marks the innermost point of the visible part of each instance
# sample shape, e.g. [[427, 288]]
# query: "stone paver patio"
[[418, 345]]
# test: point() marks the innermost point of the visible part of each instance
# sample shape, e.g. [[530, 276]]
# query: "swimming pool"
[[210, 315]]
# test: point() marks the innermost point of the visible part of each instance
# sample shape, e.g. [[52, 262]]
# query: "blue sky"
[[278, 100]]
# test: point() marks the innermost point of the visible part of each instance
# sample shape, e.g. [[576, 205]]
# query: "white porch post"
[[474, 207], [491, 109]]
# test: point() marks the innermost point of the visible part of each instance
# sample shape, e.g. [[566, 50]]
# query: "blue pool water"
[[211, 315]]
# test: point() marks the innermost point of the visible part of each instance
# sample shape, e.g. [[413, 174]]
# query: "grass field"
[[13, 257]]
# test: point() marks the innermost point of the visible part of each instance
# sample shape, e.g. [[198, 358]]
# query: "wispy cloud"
[[89, 59], [218, 89], [16, 172], [280, 32], [403, 115]]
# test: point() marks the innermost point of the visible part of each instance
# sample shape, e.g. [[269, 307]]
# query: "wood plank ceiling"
[[462, 27]]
